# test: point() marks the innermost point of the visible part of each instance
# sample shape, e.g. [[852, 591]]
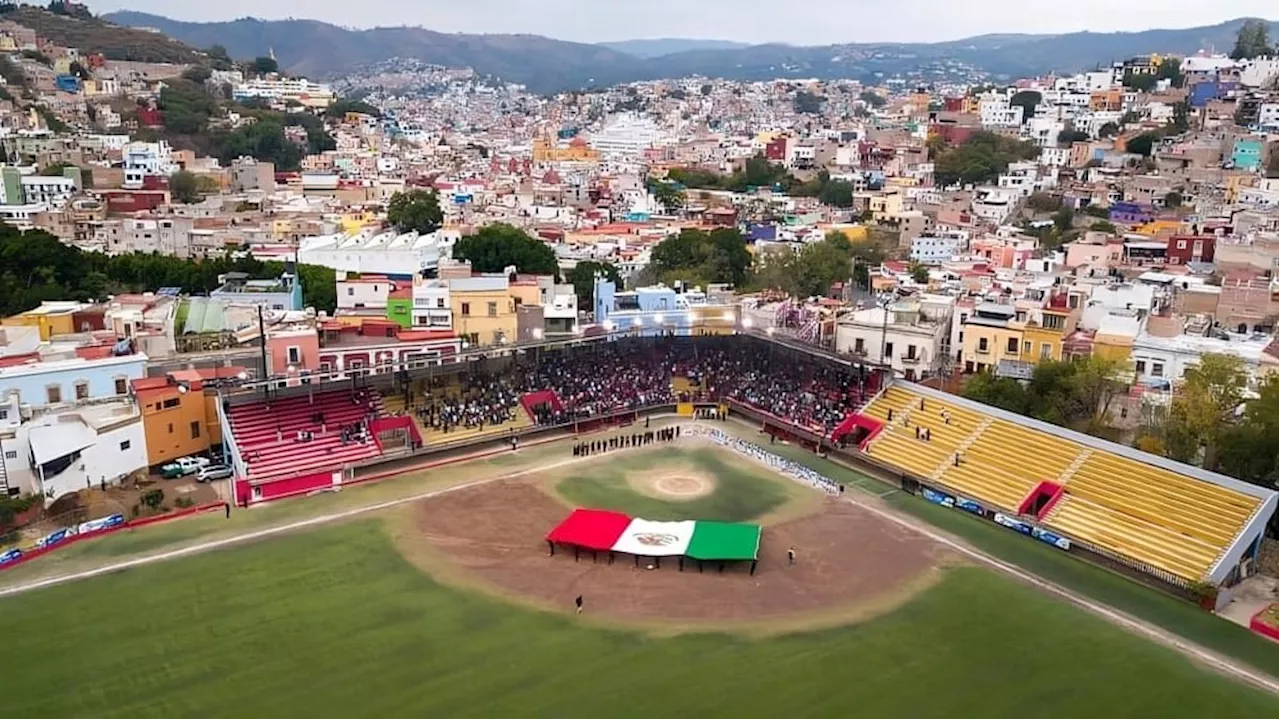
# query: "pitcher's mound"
[[673, 483]]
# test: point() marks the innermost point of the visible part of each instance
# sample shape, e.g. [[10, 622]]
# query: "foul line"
[[271, 531], [1135, 625]]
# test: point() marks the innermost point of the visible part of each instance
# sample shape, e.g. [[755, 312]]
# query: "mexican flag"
[[613, 531]]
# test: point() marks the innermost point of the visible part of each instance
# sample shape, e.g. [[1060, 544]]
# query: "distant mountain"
[[545, 65], [657, 47]]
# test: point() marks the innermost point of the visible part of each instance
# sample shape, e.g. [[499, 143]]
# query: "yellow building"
[[52, 318], [484, 310], [1042, 340], [178, 418], [576, 150], [1157, 228], [885, 205], [990, 334], [353, 222]]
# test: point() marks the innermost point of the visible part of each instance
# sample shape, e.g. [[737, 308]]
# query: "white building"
[[1168, 358], [1043, 131], [938, 246], [1055, 156], [66, 424], [910, 335], [39, 189], [626, 135], [146, 159], [383, 253], [283, 89], [994, 204], [431, 308], [997, 112]]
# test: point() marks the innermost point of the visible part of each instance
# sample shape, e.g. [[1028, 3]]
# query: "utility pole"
[[266, 371]]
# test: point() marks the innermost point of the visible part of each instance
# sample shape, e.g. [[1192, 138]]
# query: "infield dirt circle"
[[851, 564], [674, 483]]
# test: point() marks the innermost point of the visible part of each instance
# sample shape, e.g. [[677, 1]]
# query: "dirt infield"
[[851, 564], [677, 484]]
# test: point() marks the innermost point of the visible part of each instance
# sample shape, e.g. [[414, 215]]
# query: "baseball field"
[[450, 605]]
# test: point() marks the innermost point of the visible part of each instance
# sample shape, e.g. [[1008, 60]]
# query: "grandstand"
[[1175, 521], [266, 434]]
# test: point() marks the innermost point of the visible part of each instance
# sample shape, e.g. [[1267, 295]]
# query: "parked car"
[[183, 466], [213, 473]]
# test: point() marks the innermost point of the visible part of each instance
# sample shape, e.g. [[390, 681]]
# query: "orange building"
[[178, 417]]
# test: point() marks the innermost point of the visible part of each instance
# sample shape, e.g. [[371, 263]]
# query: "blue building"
[[284, 293], [660, 310], [1131, 213], [67, 83], [1246, 153]]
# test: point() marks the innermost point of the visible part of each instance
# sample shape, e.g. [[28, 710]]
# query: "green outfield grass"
[[743, 492], [334, 623]]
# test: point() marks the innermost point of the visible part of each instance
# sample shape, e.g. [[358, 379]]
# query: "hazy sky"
[[805, 22]]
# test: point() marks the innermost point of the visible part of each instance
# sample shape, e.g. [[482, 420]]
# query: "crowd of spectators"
[[600, 380], [483, 401]]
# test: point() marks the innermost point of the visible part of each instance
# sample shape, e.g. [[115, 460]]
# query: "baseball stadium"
[[629, 525]]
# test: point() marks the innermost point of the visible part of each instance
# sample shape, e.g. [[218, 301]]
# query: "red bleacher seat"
[[267, 433]]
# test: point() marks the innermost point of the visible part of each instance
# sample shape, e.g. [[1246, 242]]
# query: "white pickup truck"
[[183, 466]]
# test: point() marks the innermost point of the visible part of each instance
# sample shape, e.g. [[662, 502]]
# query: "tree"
[[197, 73], [1103, 226], [1027, 100], [669, 196], [583, 278], [1253, 40], [342, 106], [265, 65], [700, 257], [837, 193], [872, 99], [1170, 69], [807, 103], [1003, 392], [415, 211], [1140, 81], [184, 187], [1108, 129], [1248, 449], [981, 158], [1172, 199], [1043, 202], [919, 273], [1064, 218], [496, 247], [811, 271], [1141, 144], [1066, 137], [1203, 407]]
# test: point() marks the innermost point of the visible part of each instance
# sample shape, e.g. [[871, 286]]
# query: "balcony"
[[911, 359]]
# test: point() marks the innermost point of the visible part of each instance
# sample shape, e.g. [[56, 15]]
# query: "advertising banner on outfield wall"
[[11, 555], [938, 497], [969, 505], [1051, 538], [1005, 520]]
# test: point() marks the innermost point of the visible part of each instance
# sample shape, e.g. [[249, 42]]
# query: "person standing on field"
[[791, 557], [577, 603]]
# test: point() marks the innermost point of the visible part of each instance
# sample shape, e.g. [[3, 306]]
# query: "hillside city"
[[1097, 250]]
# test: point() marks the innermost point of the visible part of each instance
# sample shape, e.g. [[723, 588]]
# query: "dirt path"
[[1125, 621]]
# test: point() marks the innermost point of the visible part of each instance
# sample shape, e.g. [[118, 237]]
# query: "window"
[[911, 351], [982, 345], [1046, 350], [1026, 348], [10, 455], [439, 303], [170, 428], [1182, 244], [493, 309], [195, 430], [1012, 346], [4, 413], [121, 385], [53, 393], [1157, 369], [295, 355], [466, 309], [171, 403], [351, 292], [888, 349], [859, 346], [1140, 367]]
